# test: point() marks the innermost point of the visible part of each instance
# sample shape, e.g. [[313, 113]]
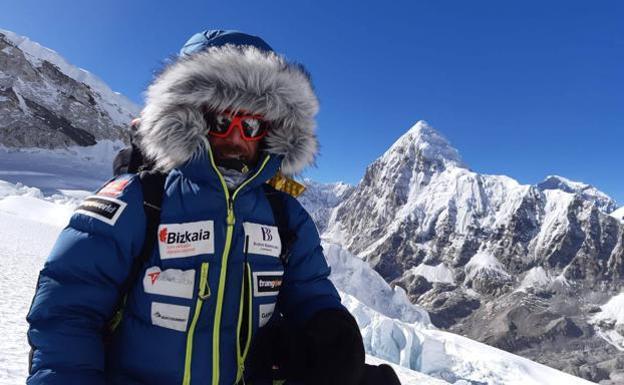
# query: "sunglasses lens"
[[221, 124], [252, 127]]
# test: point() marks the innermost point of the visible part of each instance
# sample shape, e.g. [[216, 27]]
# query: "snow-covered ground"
[[394, 330], [29, 225]]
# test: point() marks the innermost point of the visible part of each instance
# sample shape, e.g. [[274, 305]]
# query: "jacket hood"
[[234, 77]]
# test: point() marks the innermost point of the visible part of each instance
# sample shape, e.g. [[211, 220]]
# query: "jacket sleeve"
[[306, 287], [79, 286]]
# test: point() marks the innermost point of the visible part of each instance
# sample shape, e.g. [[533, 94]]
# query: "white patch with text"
[[266, 311], [179, 240], [171, 282], [170, 316], [262, 239]]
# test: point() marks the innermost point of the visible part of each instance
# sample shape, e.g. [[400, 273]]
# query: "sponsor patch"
[[180, 240], [267, 283], [171, 282], [114, 188], [262, 239], [266, 311], [170, 316], [103, 208]]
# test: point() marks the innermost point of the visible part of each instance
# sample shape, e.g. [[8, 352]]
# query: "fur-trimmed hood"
[[173, 130]]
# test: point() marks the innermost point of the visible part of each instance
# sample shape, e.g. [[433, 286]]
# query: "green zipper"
[[230, 220], [245, 294], [204, 293]]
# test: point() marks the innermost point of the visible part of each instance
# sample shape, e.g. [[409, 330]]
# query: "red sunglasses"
[[251, 127]]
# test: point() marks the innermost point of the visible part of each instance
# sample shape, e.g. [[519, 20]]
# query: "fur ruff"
[[173, 129]]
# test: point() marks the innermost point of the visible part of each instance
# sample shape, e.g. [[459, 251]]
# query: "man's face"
[[234, 146]]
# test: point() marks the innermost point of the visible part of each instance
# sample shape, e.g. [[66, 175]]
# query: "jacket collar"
[[200, 169]]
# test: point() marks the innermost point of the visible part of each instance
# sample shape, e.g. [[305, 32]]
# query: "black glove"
[[328, 351], [379, 375]]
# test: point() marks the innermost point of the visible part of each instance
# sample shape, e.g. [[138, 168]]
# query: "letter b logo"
[[266, 234]]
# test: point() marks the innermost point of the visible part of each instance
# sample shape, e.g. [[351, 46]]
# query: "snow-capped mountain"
[[46, 102], [519, 267]]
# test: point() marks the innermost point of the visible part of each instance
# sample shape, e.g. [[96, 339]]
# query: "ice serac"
[[521, 267], [45, 102]]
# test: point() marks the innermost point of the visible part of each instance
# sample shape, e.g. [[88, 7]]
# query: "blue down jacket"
[[214, 275]]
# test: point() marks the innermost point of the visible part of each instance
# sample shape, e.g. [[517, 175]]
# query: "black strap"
[[153, 185], [287, 236]]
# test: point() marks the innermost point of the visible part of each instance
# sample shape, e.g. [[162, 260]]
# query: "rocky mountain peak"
[[425, 146]]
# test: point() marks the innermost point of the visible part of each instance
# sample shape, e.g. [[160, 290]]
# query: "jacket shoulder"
[[118, 203]]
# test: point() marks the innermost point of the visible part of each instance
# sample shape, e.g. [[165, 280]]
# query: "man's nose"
[[235, 135]]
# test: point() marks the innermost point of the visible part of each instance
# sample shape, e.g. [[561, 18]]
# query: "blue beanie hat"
[[216, 38]]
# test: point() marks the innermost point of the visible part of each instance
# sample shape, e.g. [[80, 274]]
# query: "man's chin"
[[234, 163]]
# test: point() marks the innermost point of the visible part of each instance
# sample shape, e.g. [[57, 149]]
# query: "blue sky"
[[522, 88]]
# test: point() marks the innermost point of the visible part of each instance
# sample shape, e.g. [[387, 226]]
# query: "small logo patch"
[[263, 239], [179, 240], [265, 313], [267, 283], [170, 316], [105, 209], [171, 282], [114, 188]]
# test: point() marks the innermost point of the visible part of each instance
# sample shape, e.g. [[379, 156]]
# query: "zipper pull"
[[205, 292], [204, 288], [230, 213]]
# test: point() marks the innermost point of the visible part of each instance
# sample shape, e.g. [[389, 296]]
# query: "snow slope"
[[610, 321], [394, 330], [618, 214], [60, 169]]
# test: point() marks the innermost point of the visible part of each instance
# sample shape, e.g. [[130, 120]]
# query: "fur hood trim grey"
[[173, 130]]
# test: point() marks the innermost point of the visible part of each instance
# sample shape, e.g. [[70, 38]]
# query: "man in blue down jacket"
[[221, 121]]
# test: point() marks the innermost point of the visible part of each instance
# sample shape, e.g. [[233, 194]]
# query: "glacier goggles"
[[251, 127]]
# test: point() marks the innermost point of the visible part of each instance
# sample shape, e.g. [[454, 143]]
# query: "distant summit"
[[588, 192]]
